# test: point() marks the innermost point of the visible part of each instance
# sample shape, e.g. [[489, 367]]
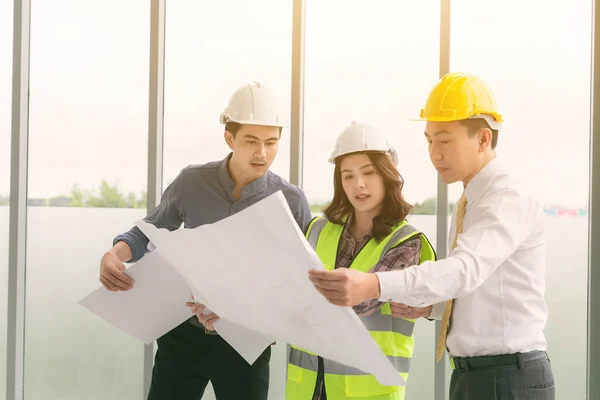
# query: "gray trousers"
[[529, 377]]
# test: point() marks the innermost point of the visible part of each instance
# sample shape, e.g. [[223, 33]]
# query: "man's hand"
[[111, 273], [344, 286], [207, 320], [403, 311]]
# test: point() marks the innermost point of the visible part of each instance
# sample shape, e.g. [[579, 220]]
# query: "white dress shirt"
[[496, 273]]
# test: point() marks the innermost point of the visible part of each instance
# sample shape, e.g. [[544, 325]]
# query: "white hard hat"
[[254, 104], [361, 137]]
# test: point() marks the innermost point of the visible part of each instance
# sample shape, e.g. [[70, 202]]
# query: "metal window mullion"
[[18, 203], [593, 345], [155, 136], [440, 392], [297, 103]]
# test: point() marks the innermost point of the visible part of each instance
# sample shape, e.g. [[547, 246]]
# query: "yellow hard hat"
[[460, 96]]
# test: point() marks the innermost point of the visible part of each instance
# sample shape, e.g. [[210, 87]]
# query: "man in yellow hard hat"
[[493, 280]]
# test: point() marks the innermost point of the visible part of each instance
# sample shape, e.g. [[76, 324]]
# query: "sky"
[[369, 61]]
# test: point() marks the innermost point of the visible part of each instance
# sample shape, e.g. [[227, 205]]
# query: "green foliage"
[[106, 196], [427, 207]]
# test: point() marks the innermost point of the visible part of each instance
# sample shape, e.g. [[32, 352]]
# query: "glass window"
[[6, 48], [87, 177], [211, 50], [540, 73], [374, 62]]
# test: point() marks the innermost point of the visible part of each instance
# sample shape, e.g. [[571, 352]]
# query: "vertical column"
[[593, 367], [18, 203], [440, 392], [155, 134], [297, 110]]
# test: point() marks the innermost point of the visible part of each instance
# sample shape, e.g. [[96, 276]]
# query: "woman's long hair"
[[395, 208]]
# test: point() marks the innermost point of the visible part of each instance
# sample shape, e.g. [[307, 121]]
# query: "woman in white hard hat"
[[363, 228]]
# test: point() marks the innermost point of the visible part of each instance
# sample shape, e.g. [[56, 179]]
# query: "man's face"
[[254, 149], [454, 153]]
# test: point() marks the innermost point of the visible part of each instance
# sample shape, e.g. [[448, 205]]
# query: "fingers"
[[208, 320], [337, 275], [408, 312], [326, 284], [398, 308], [114, 283], [408, 315], [107, 284], [124, 278], [193, 306], [112, 276], [330, 294]]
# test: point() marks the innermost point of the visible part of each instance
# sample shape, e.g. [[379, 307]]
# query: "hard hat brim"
[[493, 119], [333, 158], [261, 123], [223, 119]]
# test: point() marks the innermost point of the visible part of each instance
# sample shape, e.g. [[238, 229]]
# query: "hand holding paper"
[[251, 269], [204, 315]]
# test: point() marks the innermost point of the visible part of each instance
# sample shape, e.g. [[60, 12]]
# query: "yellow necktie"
[[441, 344]]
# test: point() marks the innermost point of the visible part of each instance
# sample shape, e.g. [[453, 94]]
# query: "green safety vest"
[[393, 335]]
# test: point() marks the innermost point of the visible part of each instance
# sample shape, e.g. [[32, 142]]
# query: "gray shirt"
[[202, 194]]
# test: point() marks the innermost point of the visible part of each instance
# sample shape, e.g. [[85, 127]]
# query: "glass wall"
[[539, 70], [374, 62], [6, 41], [87, 176], [211, 50]]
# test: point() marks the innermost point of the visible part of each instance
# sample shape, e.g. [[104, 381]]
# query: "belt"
[[502, 360]]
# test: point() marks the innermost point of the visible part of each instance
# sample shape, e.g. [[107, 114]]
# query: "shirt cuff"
[[392, 286], [437, 311]]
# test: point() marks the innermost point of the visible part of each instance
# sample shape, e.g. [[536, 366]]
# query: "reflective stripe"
[[311, 362], [399, 234], [315, 231], [304, 360], [384, 323]]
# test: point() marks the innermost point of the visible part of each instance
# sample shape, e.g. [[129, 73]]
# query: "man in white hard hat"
[[191, 355]]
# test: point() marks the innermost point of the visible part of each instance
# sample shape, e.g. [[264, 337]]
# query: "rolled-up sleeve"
[[166, 215]]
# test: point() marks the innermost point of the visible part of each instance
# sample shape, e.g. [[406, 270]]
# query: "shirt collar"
[[249, 190], [346, 231], [477, 185]]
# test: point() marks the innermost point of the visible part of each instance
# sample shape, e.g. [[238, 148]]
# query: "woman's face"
[[362, 183]]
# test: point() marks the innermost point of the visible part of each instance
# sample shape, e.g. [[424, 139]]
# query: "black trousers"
[[187, 359], [526, 376]]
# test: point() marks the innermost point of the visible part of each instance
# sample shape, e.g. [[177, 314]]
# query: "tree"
[[77, 197], [107, 196], [429, 207]]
